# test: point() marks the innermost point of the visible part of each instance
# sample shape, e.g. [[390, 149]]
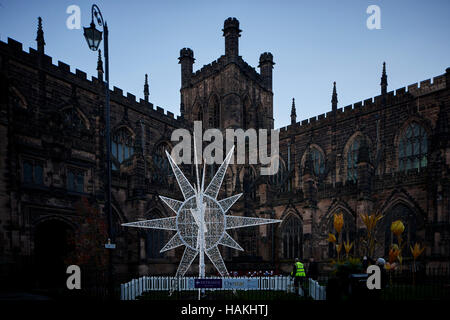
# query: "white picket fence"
[[136, 287], [316, 291]]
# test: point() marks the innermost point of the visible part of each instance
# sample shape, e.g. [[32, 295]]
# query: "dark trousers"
[[298, 281]]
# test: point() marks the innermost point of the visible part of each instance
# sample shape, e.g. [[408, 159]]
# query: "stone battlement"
[[372, 104], [62, 70]]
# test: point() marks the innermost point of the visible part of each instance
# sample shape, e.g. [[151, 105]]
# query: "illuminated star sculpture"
[[200, 222]]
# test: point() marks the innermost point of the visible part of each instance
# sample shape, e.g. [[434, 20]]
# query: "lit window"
[[413, 148]]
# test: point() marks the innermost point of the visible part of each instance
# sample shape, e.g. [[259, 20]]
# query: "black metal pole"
[[108, 165]]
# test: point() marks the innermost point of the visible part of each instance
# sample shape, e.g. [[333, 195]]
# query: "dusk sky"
[[313, 43]]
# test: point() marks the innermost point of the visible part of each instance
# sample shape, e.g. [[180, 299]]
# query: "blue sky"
[[313, 42]]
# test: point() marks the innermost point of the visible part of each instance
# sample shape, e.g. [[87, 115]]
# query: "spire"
[[334, 99], [100, 66], [293, 113], [146, 92], [384, 82], [40, 37]]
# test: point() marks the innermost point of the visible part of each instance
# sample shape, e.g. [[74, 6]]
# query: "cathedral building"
[[388, 154]]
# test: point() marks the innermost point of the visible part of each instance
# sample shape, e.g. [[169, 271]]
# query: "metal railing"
[[137, 287]]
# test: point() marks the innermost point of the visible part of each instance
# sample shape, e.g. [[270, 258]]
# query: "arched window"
[[291, 234], [214, 112], [249, 241], [318, 161], [413, 148], [72, 119], [249, 180], [352, 160], [348, 232], [162, 168], [398, 212], [155, 240], [122, 146], [277, 180], [198, 114], [246, 114]]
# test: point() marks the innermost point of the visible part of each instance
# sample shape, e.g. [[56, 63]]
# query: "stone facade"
[[351, 160]]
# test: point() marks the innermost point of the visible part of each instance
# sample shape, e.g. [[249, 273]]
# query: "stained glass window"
[[413, 148]]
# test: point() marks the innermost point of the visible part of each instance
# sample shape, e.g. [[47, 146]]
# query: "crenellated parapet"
[[13, 50], [216, 66], [375, 104]]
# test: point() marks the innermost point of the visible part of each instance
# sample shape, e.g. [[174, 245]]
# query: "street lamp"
[[93, 39], [93, 36]]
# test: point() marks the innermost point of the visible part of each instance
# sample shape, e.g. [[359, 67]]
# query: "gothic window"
[[408, 218], [348, 232], [75, 180], [291, 234], [277, 180], [162, 167], [72, 119], [214, 113], [33, 172], [249, 241], [198, 116], [249, 180], [318, 162], [246, 114], [121, 146], [352, 160], [413, 148], [155, 240]]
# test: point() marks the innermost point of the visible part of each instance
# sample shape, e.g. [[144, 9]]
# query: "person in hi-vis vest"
[[298, 273]]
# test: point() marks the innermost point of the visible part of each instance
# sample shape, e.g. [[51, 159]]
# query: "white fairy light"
[[201, 221]]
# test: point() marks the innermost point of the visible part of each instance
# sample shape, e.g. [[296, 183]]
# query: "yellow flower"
[[390, 266], [394, 253], [370, 220], [338, 222], [397, 227], [338, 248], [417, 250], [331, 238], [348, 246]]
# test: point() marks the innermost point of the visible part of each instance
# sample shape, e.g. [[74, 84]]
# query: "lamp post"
[[93, 39]]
